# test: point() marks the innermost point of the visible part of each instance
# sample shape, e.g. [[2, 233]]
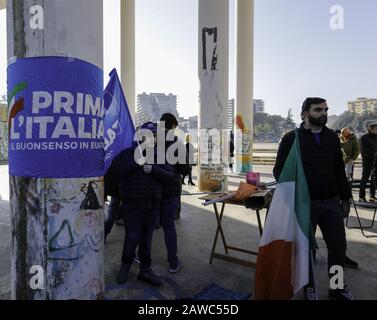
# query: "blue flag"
[[118, 124]]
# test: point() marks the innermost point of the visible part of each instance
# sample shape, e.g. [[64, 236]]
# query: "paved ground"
[[196, 231]]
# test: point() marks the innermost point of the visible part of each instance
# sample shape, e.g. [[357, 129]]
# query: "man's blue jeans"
[[113, 214], [328, 215], [168, 211], [140, 222]]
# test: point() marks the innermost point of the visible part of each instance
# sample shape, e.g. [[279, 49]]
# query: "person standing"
[[329, 189], [171, 190], [140, 193], [368, 148], [351, 151], [190, 160]]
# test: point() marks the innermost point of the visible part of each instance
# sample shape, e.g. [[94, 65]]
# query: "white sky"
[[296, 55]]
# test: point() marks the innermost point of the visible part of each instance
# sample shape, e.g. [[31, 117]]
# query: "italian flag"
[[283, 258]]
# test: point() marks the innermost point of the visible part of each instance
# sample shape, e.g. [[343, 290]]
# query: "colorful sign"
[[55, 118]]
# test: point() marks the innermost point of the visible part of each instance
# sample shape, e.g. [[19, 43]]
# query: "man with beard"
[[329, 189]]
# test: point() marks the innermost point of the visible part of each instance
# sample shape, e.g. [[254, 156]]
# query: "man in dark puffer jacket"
[[140, 192]]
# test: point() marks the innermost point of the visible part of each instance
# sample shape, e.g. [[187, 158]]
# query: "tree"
[[359, 122], [268, 124], [288, 123]]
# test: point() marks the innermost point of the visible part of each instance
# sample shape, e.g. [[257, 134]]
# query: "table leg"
[[221, 227], [259, 223], [265, 219], [218, 230]]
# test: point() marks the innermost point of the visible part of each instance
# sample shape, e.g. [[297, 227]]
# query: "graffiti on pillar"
[[76, 238], [211, 165], [244, 135], [210, 48]]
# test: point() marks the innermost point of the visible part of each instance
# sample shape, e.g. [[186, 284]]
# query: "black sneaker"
[[310, 293], [340, 294], [123, 272], [174, 267], [349, 263], [150, 277], [363, 200]]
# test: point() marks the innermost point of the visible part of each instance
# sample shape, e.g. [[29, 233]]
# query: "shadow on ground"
[[196, 231]]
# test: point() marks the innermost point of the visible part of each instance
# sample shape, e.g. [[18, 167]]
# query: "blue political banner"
[[55, 118], [119, 127]]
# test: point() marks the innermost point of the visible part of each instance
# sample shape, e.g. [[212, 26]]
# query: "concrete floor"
[[196, 231]]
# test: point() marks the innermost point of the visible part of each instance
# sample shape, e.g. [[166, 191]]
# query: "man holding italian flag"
[[312, 190]]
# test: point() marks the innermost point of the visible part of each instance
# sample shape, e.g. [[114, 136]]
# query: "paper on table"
[[222, 198]]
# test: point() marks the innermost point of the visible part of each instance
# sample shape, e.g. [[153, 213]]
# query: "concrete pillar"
[[214, 86], [49, 218], [128, 53], [244, 87]]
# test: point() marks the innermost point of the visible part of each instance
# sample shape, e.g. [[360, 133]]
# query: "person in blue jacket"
[[140, 192]]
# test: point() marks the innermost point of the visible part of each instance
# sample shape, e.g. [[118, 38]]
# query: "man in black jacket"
[[327, 182], [368, 146], [140, 192], [172, 189]]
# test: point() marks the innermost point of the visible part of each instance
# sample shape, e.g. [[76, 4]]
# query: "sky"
[[296, 52]]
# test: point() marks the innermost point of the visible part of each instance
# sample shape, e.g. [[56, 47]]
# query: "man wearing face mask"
[[329, 189]]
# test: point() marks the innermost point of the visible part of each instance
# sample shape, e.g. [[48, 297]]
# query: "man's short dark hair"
[[372, 126], [170, 120], [310, 101]]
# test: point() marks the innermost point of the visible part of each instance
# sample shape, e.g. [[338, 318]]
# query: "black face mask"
[[320, 122]]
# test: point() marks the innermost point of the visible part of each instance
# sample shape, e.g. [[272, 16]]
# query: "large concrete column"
[[53, 227], [244, 87], [128, 53], [214, 86]]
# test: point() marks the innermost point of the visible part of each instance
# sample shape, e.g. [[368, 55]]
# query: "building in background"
[[362, 104], [231, 114], [258, 107], [150, 107], [193, 123]]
